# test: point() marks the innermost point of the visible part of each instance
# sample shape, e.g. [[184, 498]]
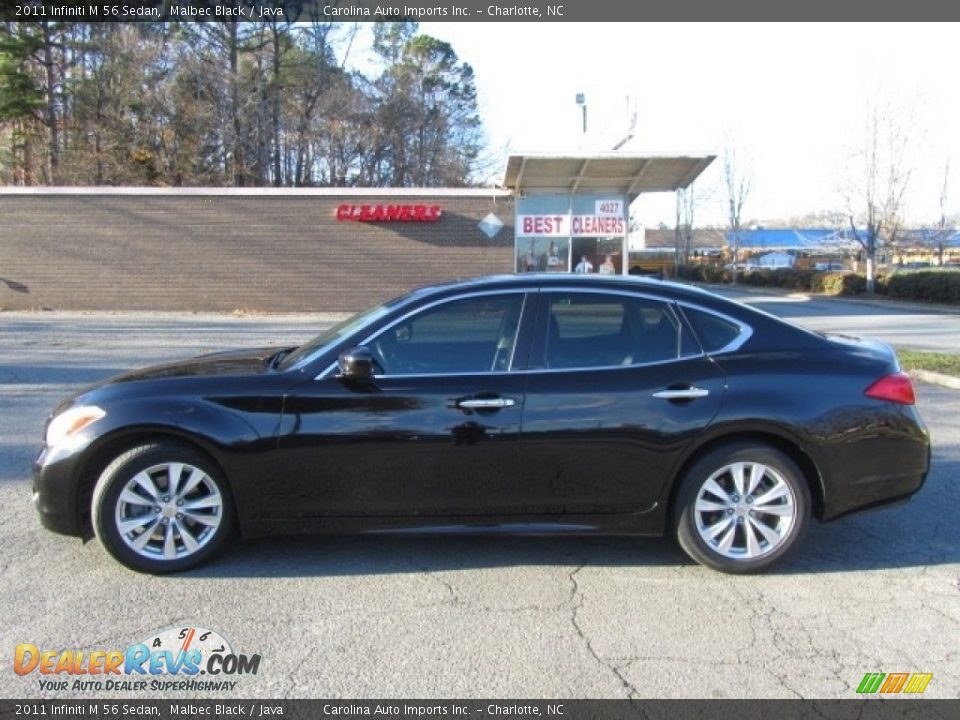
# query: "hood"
[[234, 362], [221, 364]]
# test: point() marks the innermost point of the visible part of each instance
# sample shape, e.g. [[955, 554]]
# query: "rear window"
[[713, 331]]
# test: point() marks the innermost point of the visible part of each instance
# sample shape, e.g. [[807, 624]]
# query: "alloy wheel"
[[745, 510], [169, 511]]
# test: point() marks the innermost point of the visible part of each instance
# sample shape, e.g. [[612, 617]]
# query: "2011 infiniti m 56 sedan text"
[[522, 404]]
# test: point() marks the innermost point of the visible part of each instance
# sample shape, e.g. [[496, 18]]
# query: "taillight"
[[896, 388]]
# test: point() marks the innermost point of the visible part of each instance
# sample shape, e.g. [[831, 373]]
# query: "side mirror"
[[356, 363]]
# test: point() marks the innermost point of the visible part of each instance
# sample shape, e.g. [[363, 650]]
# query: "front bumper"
[[56, 492]]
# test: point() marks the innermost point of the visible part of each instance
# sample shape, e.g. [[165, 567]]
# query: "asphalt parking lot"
[[472, 617]]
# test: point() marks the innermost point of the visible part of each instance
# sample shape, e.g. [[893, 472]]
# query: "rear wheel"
[[742, 508], [162, 507]]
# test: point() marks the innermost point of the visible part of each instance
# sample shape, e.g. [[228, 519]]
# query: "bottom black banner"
[[918, 708]]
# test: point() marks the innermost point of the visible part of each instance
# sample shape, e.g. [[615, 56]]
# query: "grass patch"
[[946, 363]]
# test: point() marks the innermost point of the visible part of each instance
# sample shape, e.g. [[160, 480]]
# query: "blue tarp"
[[813, 239], [807, 239], [929, 238]]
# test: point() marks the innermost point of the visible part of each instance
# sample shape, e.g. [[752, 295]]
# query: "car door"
[[617, 389], [435, 432]]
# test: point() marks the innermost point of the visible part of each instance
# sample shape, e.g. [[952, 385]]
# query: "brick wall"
[[228, 252]]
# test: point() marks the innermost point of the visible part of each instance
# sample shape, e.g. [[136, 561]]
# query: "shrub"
[[704, 273], [757, 278], [839, 283], [791, 278], [715, 274], [927, 286]]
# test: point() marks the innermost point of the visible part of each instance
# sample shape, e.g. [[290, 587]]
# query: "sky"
[[789, 97]]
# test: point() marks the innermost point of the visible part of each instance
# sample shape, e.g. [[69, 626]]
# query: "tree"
[[116, 132], [874, 190], [944, 230], [737, 177], [21, 101], [689, 199], [430, 127], [225, 42], [31, 65], [231, 103]]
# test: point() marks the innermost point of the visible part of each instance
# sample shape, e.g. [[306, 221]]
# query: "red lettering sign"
[[593, 225], [389, 213], [543, 225]]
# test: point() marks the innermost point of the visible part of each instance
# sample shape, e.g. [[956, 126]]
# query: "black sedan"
[[527, 404]]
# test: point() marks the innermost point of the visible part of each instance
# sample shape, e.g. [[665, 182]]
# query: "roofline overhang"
[[517, 171]]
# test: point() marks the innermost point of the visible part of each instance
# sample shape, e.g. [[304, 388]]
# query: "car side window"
[[713, 331], [589, 330], [469, 335]]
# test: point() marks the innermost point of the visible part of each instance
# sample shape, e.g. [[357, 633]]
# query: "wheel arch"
[[788, 446], [110, 446]]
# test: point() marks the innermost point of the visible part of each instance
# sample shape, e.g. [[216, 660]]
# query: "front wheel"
[[742, 508], [162, 507]]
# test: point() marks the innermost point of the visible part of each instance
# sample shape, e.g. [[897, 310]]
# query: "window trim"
[[532, 294], [746, 331], [525, 293]]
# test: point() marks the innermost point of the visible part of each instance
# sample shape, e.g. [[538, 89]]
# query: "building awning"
[[621, 173]]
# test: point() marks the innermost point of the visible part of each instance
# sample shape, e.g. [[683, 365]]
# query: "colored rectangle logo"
[[894, 683]]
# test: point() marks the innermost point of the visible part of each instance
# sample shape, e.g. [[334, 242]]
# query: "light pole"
[[582, 102]]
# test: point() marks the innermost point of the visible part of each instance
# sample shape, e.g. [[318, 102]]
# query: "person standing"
[[529, 262], [584, 266], [607, 267]]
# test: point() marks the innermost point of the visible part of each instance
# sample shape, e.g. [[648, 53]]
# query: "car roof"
[[662, 288], [774, 330]]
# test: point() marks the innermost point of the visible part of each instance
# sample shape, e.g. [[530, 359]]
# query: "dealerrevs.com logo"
[[186, 658], [894, 683]]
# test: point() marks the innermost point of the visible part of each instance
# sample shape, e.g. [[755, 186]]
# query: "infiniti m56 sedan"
[[528, 404]]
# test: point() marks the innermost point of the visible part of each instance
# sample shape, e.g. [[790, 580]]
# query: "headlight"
[[67, 424]]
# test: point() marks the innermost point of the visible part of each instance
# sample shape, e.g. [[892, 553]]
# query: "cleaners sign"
[[570, 225], [389, 213], [596, 217]]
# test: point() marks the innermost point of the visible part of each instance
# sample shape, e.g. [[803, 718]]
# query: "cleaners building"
[[317, 249]]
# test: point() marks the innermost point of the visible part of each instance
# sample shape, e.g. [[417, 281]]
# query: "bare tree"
[[875, 188], [677, 235], [937, 237], [689, 200], [737, 178]]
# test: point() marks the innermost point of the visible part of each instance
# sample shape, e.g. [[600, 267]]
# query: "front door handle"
[[486, 403], [684, 394]]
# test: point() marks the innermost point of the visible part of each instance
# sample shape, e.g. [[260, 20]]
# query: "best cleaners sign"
[[606, 220], [570, 226]]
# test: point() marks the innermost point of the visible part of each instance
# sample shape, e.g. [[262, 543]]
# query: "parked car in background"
[[527, 404]]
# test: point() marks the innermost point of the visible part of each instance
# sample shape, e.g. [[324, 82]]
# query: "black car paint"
[[306, 451]]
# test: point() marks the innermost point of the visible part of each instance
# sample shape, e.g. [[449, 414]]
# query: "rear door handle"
[[486, 403], [684, 394]]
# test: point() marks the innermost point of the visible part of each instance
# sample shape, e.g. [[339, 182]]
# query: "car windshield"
[[338, 332]]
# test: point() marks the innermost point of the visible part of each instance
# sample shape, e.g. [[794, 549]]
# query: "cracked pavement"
[[426, 617]]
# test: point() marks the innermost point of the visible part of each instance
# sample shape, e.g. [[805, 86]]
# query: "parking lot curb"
[[936, 378]]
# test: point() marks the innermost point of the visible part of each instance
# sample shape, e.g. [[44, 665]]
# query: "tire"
[[742, 508], [150, 528]]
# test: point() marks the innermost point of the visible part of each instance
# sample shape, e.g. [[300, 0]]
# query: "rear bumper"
[[883, 467]]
